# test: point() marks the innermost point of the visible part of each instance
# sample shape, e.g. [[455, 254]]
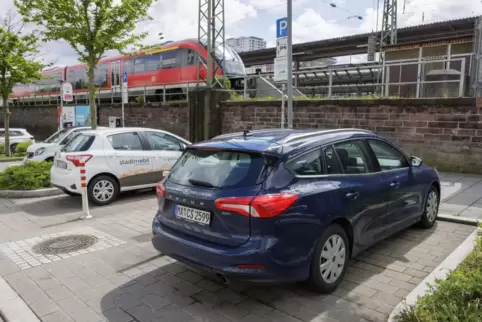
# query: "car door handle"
[[395, 184], [352, 195]]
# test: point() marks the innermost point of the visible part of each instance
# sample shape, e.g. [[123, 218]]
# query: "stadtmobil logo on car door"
[[135, 161]]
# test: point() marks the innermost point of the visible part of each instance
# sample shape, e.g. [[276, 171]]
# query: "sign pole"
[[61, 103], [290, 64], [124, 95]]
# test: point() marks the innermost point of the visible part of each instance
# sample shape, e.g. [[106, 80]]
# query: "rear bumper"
[[224, 260], [66, 180]]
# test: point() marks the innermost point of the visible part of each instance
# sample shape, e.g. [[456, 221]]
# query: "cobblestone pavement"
[[124, 279]]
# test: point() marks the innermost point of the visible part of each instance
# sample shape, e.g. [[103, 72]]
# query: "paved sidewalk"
[[461, 195], [122, 278]]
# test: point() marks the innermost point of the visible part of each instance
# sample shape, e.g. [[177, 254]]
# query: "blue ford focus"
[[289, 205]]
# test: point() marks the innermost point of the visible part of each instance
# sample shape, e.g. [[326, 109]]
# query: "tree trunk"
[[6, 122], [92, 107]]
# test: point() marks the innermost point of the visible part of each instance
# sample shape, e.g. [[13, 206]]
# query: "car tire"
[[13, 149], [51, 159], [327, 273], [430, 212], [110, 192]]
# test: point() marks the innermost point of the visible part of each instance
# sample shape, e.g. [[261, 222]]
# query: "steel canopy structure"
[[357, 44]]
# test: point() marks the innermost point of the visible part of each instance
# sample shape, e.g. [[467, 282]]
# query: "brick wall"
[[445, 132]]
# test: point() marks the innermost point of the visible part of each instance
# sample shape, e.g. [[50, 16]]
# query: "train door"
[[115, 72]]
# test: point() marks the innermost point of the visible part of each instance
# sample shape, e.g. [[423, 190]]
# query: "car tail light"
[[161, 190], [265, 206], [76, 159]]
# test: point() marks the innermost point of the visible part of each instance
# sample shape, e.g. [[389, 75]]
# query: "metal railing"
[[427, 78]]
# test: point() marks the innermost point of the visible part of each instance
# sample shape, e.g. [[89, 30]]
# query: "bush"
[[30, 176], [457, 298], [2, 148], [21, 148]]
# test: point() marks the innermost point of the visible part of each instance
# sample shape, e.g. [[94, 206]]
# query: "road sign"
[[281, 69], [282, 47], [124, 77], [67, 92], [282, 28]]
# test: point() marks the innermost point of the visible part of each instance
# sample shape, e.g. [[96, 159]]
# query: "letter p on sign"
[[282, 28]]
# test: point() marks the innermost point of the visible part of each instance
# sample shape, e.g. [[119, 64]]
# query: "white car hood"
[[36, 146]]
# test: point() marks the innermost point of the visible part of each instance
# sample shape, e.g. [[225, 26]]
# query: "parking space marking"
[[21, 253]]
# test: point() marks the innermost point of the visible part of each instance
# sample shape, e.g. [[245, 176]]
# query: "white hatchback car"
[[16, 136], [116, 160], [45, 151]]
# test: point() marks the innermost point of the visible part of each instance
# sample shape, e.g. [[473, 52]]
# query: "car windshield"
[[57, 136], [217, 169]]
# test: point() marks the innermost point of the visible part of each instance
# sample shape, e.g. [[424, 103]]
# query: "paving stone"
[[101, 304], [85, 315], [118, 315], [71, 304], [59, 293], [58, 316], [126, 301], [43, 306], [175, 313], [144, 313], [187, 288], [155, 301]]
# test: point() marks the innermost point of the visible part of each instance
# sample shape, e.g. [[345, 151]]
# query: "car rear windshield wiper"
[[201, 183]]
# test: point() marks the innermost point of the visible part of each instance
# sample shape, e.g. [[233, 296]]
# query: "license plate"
[[193, 215], [61, 164]]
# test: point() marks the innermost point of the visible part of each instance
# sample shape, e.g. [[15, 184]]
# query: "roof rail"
[[316, 133], [228, 135]]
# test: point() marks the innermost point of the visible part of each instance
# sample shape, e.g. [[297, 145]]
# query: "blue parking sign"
[[124, 77], [282, 27]]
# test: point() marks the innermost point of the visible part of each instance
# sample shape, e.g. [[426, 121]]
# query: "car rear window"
[[79, 143], [218, 169]]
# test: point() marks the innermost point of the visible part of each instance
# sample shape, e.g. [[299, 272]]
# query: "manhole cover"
[[64, 244]]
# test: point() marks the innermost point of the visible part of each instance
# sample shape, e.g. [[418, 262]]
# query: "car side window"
[[332, 164], [388, 157], [351, 157], [15, 133], [308, 164], [129, 141], [163, 142]]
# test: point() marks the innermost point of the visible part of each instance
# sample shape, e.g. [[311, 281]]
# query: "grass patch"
[[30, 176], [11, 158], [455, 299]]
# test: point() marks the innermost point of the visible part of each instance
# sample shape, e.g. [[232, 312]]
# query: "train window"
[[170, 59], [128, 66], [139, 65], [78, 78], [153, 62], [191, 57], [49, 83], [100, 75]]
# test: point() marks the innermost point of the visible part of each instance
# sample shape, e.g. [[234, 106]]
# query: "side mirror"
[[415, 161], [183, 147]]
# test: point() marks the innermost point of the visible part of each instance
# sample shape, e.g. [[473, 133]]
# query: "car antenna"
[[246, 133]]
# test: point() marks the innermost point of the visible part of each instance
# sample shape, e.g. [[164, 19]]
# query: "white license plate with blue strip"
[[194, 215]]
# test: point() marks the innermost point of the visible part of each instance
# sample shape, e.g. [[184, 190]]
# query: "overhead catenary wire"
[[334, 5]]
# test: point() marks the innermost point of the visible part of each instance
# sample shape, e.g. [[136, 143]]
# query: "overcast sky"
[[313, 19]]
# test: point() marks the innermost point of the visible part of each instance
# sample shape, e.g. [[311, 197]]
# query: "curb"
[[12, 194], [10, 160], [458, 219], [450, 263], [12, 307]]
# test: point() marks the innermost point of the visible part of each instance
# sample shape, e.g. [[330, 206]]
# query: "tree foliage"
[[19, 62], [91, 27]]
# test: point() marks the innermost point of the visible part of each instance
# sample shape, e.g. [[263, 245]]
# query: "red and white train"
[[170, 68]]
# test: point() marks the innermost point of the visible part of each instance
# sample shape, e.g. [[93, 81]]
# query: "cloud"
[[176, 20]]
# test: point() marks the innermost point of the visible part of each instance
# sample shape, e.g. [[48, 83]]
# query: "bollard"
[[83, 184]]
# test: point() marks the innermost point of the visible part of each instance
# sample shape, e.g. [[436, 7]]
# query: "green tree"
[[91, 27], [18, 63]]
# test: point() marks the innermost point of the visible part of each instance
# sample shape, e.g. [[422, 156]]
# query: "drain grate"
[[64, 244]]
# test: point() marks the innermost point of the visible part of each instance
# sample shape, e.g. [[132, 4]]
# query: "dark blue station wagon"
[[289, 205]]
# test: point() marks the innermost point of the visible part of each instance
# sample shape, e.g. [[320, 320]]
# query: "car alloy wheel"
[[103, 190], [332, 258], [432, 205], [431, 208]]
